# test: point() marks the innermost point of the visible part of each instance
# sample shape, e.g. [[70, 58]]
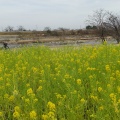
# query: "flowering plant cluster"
[[39, 83]]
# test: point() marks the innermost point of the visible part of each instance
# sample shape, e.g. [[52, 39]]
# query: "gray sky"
[[38, 14]]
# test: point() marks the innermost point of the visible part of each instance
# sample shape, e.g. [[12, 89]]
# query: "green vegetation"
[[60, 84]]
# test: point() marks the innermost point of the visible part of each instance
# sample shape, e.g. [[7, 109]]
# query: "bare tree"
[[47, 30], [98, 19], [113, 24], [21, 28], [9, 29]]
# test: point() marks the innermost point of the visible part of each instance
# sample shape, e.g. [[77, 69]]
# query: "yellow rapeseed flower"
[[78, 81], [40, 81], [118, 88], [67, 76], [93, 116], [91, 77], [58, 96], [118, 62], [107, 67], [8, 84], [112, 78], [1, 78], [16, 115], [94, 97], [0, 70], [11, 98], [44, 117], [34, 69], [1, 114], [101, 108], [35, 100], [17, 108], [113, 96], [28, 85], [100, 89], [39, 88], [82, 100], [27, 100], [108, 85], [119, 101], [33, 115], [117, 72], [51, 115], [42, 72], [29, 91], [51, 106], [6, 96], [64, 96], [15, 92]]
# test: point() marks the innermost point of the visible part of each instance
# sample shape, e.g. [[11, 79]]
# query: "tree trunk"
[[118, 40]]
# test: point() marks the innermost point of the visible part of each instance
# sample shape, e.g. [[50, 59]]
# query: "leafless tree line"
[[107, 23], [10, 28]]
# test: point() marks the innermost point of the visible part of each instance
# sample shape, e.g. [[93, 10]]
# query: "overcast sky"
[[38, 14]]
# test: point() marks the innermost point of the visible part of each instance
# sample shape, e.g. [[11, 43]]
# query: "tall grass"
[[60, 84]]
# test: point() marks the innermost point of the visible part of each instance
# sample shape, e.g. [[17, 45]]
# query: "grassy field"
[[68, 83]]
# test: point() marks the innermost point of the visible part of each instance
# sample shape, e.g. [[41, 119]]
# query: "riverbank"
[[56, 41]]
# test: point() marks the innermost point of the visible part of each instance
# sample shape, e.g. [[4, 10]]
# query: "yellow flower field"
[[68, 83]]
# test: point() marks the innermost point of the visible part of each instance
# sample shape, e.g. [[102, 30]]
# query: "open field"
[[39, 83]]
